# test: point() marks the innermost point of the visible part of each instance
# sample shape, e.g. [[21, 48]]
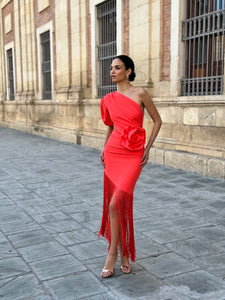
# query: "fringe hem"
[[125, 212]]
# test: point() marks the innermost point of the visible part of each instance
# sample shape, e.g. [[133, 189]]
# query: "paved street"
[[50, 213]]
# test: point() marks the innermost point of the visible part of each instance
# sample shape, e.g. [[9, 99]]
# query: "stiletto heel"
[[106, 273], [123, 268]]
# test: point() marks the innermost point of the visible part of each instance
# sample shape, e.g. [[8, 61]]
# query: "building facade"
[[55, 58]]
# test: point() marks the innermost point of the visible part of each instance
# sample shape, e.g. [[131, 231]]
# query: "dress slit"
[[124, 202]]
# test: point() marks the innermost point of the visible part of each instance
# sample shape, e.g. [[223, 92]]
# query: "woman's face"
[[118, 71]]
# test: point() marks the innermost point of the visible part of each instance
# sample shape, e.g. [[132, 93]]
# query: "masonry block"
[[184, 161], [8, 23], [42, 4], [216, 168], [190, 116]]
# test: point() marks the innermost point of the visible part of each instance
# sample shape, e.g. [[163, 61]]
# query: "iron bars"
[[11, 95], [106, 15], [46, 66], [203, 37]]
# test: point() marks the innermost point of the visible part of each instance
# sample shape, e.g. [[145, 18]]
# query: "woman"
[[123, 157]]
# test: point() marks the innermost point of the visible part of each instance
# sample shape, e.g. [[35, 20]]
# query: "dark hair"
[[129, 64]]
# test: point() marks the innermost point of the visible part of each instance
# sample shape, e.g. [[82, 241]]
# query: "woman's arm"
[[153, 112], [108, 133]]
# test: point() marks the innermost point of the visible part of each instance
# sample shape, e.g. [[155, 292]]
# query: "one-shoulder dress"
[[122, 156]]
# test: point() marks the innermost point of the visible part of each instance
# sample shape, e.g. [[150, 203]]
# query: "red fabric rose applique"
[[133, 138]]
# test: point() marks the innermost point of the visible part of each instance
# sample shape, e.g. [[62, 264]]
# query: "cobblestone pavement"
[[50, 213]]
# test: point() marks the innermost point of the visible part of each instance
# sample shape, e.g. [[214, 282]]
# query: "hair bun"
[[132, 76]]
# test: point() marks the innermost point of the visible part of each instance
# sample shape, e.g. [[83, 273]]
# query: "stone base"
[[200, 164], [51, 133]]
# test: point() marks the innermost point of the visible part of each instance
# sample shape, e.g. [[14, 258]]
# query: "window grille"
[[106, 15], [10, 74], [203, 37], [46, 66]]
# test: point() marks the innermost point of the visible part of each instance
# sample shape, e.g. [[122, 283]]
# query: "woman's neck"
[[123, 87]]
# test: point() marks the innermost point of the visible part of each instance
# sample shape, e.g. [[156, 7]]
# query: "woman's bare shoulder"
[[140, 90], [141, 93]]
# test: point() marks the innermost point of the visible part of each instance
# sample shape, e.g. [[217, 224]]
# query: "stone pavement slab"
[[42, 251], [23, 287], [13, 266], [75, 286], [50, 213], [167, 265], [199, 281], [58, 266]]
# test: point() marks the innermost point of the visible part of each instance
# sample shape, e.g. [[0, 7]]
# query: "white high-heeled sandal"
[[105, 271]]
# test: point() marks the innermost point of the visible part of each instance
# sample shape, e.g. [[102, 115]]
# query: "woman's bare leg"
[[124, 260], [114, 231]]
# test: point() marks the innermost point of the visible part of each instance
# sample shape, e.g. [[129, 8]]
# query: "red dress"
[[122, 156]]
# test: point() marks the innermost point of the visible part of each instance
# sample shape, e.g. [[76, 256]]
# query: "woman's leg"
[[116, 241], [124, 260], [114, 233]]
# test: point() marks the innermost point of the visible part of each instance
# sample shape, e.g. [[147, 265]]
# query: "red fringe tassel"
[[125, 211]]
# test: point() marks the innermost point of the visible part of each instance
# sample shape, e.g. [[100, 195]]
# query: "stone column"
[[18, 54], [175, 38], [77, 47], [84, 42], [62, 49], [24, 45], [2, 71], [140, 40], [24, 54], [155, 43], [30, 30]]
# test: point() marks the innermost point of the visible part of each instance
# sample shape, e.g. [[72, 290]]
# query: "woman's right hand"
[[102, 158]]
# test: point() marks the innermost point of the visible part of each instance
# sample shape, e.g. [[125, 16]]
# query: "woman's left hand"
[[145, 158], [102, 158]]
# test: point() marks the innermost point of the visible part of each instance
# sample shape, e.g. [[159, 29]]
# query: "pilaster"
[[175, 25], [62, 48], [76, 53], [2, 71], [18, 52], [84, 44], [24, 54], [30, 47], [140, 40]]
